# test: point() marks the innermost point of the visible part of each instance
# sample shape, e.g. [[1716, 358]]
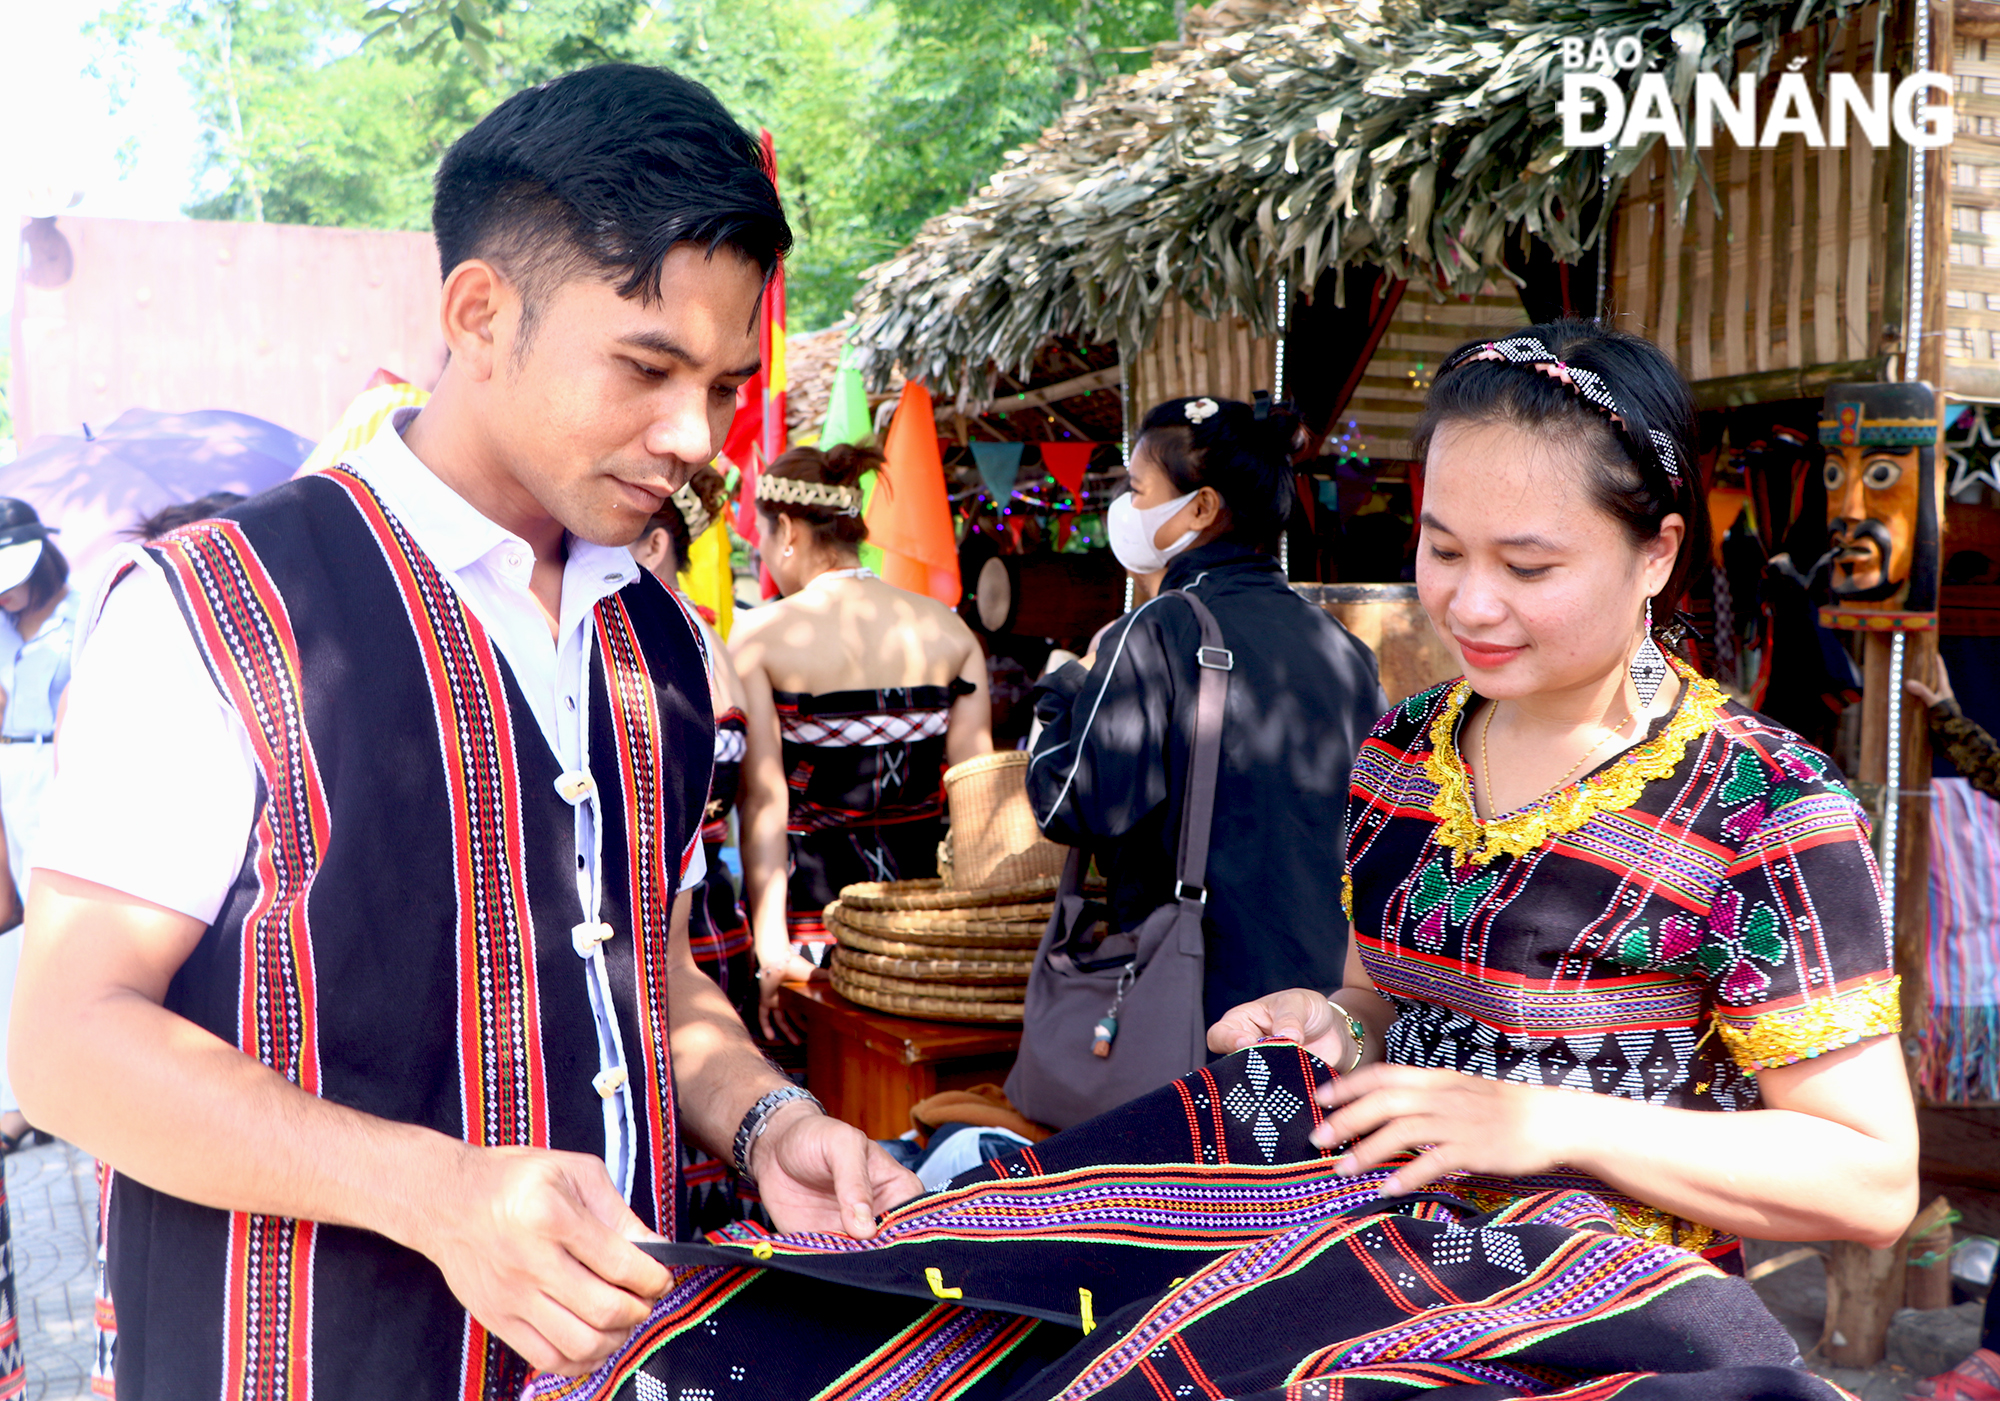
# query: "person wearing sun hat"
[[35, 639]]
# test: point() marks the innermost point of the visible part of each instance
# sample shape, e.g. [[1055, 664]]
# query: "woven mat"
[[931, 1008], [940, 927], [936, 970], [852, 938]]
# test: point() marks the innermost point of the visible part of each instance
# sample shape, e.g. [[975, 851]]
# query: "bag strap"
[[1213, 663]]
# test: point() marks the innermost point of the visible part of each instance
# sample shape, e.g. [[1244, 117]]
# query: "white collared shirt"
[[156, 781]]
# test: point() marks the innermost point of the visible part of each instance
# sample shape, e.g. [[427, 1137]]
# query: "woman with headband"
[[859, 696], [717, 931], [35, 643], [1612, 930]]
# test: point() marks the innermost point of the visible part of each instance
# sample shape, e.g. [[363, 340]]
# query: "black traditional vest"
[[399, 936]]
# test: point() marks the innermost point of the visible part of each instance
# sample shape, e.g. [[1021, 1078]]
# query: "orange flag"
[[910, 521]]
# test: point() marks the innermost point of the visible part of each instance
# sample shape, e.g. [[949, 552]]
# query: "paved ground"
[[52, 1208]]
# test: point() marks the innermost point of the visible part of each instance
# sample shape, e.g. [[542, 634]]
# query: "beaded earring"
[[1648, 667]]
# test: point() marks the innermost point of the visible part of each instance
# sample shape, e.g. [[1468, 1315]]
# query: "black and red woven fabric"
[[1194, 1244]]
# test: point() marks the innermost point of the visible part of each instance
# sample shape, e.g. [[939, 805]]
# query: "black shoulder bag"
[[1110, 1014]]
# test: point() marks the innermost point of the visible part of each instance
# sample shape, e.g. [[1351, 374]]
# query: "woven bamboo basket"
[[974, 972], [931, 895], [861, 942], [866, 989], [925, 927], [995, 840]]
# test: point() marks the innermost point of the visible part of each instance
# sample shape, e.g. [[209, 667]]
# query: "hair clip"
[[693, 510], [1201, 410], [1260, 404]]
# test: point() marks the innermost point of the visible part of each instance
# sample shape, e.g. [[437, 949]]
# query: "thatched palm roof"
[[1286, 139]]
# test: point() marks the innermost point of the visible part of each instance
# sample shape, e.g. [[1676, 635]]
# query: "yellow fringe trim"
[[1628, 1218], [1347, 896], [1800, 1033], [1569, 807]]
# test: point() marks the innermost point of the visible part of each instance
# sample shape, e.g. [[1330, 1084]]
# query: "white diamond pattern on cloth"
[[1255, 1102], [1454, 1246], [865, 730], [1503, 1248], [729, 746], [645, 1388]]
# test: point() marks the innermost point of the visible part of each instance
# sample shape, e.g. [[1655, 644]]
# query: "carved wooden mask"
[[1881, 493]]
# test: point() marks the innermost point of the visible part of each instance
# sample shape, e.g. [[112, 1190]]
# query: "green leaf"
[[1433, 889]]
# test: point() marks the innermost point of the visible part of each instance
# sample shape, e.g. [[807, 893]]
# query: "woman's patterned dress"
[[1698, 908], [866, 774]]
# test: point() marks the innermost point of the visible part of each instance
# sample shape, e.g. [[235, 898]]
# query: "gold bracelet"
[[1354, 1029]]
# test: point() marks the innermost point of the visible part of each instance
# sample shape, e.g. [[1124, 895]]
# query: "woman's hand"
[[771, 1017], [1297, 1014], [1461, 1123], [1929, 697]]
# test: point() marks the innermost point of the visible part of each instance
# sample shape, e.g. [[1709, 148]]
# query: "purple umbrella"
[[96, 487]]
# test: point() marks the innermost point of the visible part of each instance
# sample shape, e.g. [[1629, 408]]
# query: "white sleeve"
[[156, 783]]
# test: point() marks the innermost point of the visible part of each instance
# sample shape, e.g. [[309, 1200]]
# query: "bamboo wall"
[[1790, 278], [1192, 355], [1972, 269], [1423, 331]]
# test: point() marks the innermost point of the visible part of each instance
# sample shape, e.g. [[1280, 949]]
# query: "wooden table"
[[870, 1067]]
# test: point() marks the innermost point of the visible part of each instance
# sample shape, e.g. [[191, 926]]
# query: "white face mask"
[[1132, 531]]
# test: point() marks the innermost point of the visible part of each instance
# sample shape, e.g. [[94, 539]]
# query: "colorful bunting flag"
[[1067, 462], [999, 468]]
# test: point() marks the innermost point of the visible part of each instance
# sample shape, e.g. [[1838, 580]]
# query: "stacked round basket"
[[956, 949]]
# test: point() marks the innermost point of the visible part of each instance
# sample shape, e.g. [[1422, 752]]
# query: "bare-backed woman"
[[858, 696]]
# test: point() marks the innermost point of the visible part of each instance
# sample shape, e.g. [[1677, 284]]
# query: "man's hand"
[[1297, 1014], [818, 1174], [1461, 1123], [538, 1246]]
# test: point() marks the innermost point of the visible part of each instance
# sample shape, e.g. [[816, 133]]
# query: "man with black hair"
[[357, 946]]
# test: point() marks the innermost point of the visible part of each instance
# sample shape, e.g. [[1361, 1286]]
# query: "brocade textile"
[[1194, 1244]]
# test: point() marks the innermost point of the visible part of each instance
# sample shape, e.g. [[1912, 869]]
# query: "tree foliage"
[[884, 112]]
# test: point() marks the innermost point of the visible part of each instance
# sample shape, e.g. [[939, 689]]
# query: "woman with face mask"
[[1211, 487]]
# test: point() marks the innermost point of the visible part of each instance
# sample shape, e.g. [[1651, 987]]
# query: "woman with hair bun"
[[35, 641], [1613, 932], [859, 696], [1211, 487]]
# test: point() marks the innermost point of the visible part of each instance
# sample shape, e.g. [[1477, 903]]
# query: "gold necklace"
[[1486, 763]]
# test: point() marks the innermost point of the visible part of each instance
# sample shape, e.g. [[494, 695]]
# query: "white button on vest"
[[585, 938], [608, 1082], [575, 786]]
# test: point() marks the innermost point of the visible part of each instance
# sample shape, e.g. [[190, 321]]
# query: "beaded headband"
[[790, 491], [1587, 385], [694, 511]]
